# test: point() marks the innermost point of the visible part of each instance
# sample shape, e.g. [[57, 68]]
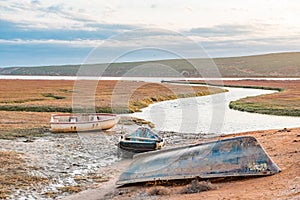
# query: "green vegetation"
[[34, 108], [22, 133], [53, 96], [263, 108], [269, 65], [58, 109], [21, 101]]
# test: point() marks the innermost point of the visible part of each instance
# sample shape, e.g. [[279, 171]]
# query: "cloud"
[[68, 13], [69, 43], [37, 2], [241, 47], [41, 15], [13, 31], [221, 30]]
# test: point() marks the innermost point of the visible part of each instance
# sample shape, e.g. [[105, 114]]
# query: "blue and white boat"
[[142, 140]]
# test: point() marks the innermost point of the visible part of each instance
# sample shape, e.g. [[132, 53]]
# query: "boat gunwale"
[[82, 114], [142, 138], [88, 122], [111, 117], [180, 177]]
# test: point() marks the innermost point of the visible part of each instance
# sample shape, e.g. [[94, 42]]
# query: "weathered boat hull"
[[142, 140], [239, 156], [103, 124], [137, 147]]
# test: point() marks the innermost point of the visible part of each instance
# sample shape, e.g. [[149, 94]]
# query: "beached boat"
[[142, 140], [239, 156], [61, 123]]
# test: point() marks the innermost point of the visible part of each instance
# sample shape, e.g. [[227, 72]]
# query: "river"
[[212, 115]]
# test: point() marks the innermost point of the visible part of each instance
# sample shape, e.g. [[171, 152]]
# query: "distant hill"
[[268, 65]]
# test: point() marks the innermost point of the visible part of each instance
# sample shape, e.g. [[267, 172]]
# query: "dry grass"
[[22, 124], [70, 189], [159, 190], [14, 174], [195, 187], [58, 95], [286, 102]]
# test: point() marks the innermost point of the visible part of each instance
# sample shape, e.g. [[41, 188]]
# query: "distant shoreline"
[[146, 79], [267, 65]]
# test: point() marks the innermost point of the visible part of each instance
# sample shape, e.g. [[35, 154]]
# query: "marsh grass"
[[54, 96], [71, 189], [22, 133], [263, 108]]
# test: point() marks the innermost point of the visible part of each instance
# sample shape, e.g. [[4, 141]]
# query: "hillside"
[[271, 65]]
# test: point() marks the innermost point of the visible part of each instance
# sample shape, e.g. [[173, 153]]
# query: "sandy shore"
[[281, 145]]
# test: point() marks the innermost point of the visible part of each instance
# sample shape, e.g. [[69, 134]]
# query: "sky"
[[54, 32]]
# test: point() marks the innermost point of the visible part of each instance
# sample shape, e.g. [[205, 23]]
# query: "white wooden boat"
[[62, 123]]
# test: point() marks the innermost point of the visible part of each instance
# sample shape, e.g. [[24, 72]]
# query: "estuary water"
[[146, 79], [212, 115]]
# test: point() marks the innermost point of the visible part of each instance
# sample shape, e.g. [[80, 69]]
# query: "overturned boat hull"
[[239, 156]]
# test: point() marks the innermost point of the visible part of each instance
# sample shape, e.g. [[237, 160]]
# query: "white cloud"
[[176, 15], [74, 43]]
